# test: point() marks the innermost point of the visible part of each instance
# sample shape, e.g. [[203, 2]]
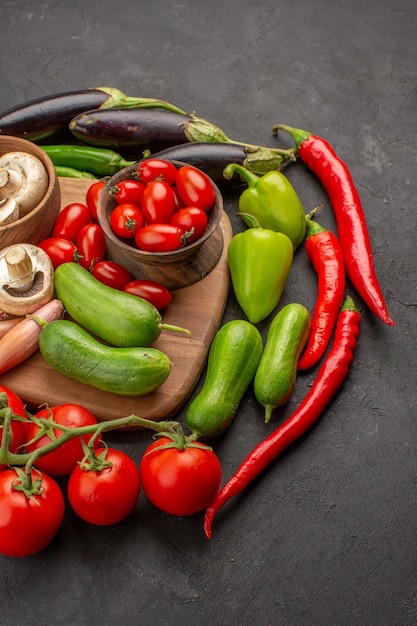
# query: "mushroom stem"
[[20, 268], [9, 211]]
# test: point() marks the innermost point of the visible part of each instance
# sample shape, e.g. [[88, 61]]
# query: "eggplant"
[[49, 116], [212, 159], [124, 129]]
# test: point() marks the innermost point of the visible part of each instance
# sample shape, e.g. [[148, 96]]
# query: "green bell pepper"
[[272, 201], [259, 261]]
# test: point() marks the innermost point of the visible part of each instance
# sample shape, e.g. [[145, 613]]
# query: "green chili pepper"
[[101, 161], [272, 201], [259, 261], [70, 172]]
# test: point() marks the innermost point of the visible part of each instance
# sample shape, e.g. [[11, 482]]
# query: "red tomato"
[[159, 238], [59, 250], [128, 191], [158, 202], [151, 169], [194, 187], [111, 274], [91, 245], [191, 218], [62, 460], [153, 292], [17, 426], [71, 220], [107, 496], [91, 197], [125, 220], [28, 524], [180, 482]]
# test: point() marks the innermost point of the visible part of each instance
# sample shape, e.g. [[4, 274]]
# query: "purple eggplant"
[[50, 116]]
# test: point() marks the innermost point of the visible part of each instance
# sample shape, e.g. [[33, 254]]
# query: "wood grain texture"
[[198, 307]]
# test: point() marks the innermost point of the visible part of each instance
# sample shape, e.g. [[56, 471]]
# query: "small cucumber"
[[73, 352], [277, 370], [120, 318], [231, 365]]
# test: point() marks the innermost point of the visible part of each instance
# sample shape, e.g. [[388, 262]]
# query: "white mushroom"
[[9, 211], [26, 279], [24, 178]]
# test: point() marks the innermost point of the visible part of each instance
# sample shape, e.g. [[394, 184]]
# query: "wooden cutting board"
[[198, 307]]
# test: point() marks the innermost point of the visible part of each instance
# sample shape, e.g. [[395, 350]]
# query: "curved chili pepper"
[[337, 181], [326, 255], [329, 379]]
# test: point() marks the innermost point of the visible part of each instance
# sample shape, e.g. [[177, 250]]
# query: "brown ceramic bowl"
[[37, 224], [176, 269]]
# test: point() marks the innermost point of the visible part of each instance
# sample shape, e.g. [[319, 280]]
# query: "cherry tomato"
[[191, 218], [180, 482], [91, 197], [149, 290], [158, 202], [159, 238], [59, 250], [111, 274], [17, 427], [28, 524], [105, 497], [179, 204], [71, 220], [152, 169], [91, 245], [128, 191], [194, 187], [62, 460], [125, 220]]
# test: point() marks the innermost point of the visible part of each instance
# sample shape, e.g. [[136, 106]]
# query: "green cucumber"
[[231, 365], [73, 352], [122, 319], [277, 370]]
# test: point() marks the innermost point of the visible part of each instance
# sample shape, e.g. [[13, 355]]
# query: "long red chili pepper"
[[326, 255], [329, 379], [337, 181]]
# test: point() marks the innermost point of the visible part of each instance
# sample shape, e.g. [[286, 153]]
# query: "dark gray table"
[[326, 536]]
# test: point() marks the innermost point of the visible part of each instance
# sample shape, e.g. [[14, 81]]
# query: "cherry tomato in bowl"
[[191, 219], [128, 191], [149, 290], [160, 238], [152, 169], [158, 202], [180, 481], [125, 220], [195, 187]]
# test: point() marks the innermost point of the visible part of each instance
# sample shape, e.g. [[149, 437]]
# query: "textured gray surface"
[[327, 535]]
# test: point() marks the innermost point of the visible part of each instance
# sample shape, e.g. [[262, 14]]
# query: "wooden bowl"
[[37, 224], [176, 269]]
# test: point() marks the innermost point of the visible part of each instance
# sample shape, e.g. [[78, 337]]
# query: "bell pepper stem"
[[234, 168]]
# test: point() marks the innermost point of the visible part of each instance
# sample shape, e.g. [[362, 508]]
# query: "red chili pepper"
[[329, 379], [325, 253], [351, 224]]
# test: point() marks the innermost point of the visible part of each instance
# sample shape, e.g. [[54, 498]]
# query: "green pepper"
[[259, 261], [272, 201], [100, 161]]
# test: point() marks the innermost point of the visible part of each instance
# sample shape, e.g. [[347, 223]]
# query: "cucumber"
[[122, 319], [231, 365], [73, 352], [277, 370]]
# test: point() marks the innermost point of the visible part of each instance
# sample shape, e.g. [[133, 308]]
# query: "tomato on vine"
[[62, 460], [31, 511], [18, 424], [125, 220], [104, 488], [180, 480]]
